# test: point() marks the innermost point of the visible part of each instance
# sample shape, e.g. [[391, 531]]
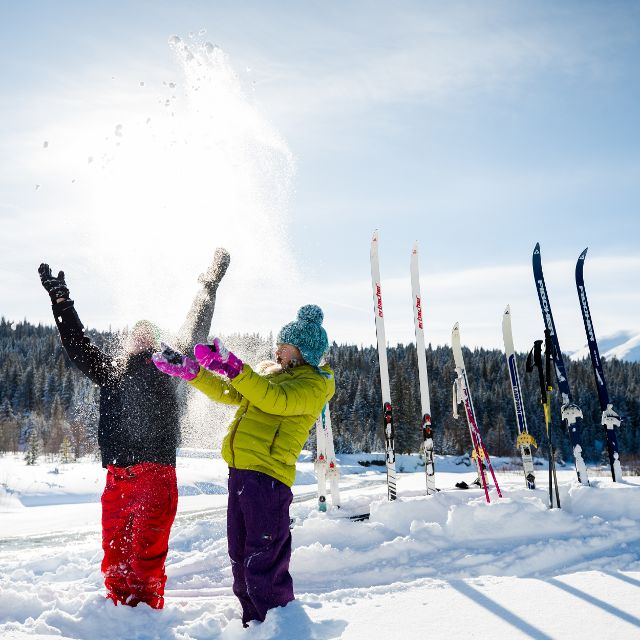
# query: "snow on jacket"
[[139, 417], [276, 412]]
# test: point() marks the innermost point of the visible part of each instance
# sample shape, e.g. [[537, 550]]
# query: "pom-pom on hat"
[[306, 333]]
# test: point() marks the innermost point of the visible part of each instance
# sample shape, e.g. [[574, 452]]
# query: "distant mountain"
[[624, 345]]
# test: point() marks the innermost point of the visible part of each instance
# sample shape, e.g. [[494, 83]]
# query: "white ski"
[[384, 370], [525, 440], [325, 465], [427, 433], [462, 394]]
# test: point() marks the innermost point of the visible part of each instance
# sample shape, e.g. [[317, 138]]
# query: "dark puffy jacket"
[[139, 419]]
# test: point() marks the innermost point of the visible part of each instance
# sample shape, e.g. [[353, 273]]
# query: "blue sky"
[[476, 129]]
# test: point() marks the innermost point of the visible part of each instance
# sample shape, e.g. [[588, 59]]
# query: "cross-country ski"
[[570, 411], [610, 419], [326, 466], [525, 440], [425, 403], [387, 407], [462, 395]]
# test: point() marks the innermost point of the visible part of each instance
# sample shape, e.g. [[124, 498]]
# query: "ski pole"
[[548, 354], [534, 360]]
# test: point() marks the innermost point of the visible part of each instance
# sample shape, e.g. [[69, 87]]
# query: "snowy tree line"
[[356, 410], [48, 407]]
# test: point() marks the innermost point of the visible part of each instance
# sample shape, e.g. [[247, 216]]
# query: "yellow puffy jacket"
[[276, 412]]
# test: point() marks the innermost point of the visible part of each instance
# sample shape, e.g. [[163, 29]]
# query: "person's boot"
[[132, 600]]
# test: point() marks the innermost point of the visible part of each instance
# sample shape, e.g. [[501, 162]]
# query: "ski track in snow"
[[450, 563]]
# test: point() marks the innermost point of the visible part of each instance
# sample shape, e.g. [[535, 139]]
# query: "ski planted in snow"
[[427, 430], [462, 394], [325, 464], [387, 410], [571, 413], [525, 440], [610, 419], [534, 361]]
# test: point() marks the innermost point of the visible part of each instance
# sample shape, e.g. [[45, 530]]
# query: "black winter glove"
[[56, 286], [171, 355]]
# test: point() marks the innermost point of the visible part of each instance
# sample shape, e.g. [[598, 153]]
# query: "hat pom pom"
[[311, 313]]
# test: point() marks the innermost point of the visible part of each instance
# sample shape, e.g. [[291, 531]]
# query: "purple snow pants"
[[259, 542]]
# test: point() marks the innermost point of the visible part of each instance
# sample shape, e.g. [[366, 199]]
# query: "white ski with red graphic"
[[325, 465], [427, 432], [387, 413], [462, 395]]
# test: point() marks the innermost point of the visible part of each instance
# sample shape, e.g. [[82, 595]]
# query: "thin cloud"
[[426, 56], [477, 298]]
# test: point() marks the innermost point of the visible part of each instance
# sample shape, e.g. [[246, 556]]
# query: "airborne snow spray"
[[174, 165]]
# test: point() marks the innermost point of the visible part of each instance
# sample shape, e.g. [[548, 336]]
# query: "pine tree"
[[9, 432], [33, 448], [57, 427], [78, 438], [66, 454], [498, 441]]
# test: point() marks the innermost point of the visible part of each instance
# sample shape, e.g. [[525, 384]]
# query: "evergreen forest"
[[47, 407]]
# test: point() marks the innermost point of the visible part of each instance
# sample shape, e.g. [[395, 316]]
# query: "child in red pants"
[[138, 508], [138, 432]]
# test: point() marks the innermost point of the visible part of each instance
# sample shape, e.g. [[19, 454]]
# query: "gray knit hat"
[[306, 333]]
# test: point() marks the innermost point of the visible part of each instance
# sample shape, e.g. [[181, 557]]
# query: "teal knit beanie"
[[307, 334]]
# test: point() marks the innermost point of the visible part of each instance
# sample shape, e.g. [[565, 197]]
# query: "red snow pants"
[[138, 508]]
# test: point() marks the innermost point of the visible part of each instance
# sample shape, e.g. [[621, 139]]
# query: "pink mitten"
[[174, 363], [216, 357]]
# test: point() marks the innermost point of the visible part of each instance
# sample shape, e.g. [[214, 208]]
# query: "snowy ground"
[[446, 566]]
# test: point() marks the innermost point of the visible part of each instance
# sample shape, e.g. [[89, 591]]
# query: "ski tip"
[[375, 235], [507, 311], [414, 250], [536, 249], [456, 327], [583, 255]]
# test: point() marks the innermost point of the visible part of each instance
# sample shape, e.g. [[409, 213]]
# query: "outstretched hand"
[[174, 363], [55, 285], [216, 357]]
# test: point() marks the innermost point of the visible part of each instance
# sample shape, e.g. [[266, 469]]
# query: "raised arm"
[[90, 359], [197, 324]]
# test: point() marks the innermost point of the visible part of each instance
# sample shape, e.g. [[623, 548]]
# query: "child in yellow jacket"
[[275, 413]]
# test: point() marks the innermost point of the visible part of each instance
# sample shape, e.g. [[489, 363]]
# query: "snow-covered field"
[[445, 566]]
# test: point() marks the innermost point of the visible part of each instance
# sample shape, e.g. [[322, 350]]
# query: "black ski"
[[610, 419], [571, 413]]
